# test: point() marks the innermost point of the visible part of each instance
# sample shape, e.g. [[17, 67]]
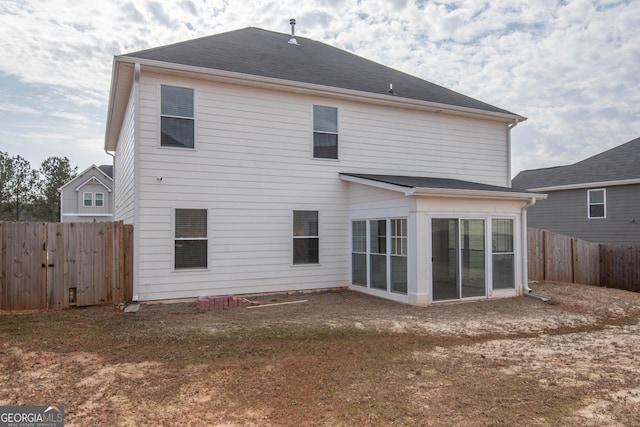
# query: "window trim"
[[173, 240], [313, 133], [160, 116], [604, 203], [293, 237], [84, 199], [95, 200]]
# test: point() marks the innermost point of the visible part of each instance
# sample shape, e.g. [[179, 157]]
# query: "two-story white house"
[[88, 197], [253, 162]]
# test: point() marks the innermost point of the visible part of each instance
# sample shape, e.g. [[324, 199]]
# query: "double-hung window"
[[190, 239], [87, 199], [325, 132], [99, 199], [306, 241], [176, 117], [597, 203]]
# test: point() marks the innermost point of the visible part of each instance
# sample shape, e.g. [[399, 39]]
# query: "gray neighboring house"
[[596, 199], [89, 196]]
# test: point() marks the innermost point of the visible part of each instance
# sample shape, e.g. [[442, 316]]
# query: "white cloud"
[[570, 67]]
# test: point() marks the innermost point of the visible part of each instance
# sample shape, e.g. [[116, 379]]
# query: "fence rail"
[[566, 259], [58, 265]]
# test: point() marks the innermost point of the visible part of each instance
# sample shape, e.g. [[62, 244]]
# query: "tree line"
[[28, 194]]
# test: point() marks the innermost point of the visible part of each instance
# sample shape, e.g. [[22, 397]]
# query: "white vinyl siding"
[[252, 168], [124, 176]]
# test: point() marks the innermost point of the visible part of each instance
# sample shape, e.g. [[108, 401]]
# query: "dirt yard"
[[339, 359]]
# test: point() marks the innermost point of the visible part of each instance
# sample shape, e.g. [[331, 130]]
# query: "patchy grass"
[[341, 359]]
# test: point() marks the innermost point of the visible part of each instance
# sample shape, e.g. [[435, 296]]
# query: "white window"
[[597, 203], [176, 117], [379, 249], [190, 239], [306, 240], [99, 199], [399, 255], [359, 253], [503, 254], [325, 132], [87, 199]]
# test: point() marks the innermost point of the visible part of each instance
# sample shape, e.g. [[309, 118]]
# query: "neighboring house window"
[[597, 203], [359, 253], [99, 199], [399, 255], [176, 117], [87, 199], [306, 241], [503, 254], [325, 132], [191, 239]]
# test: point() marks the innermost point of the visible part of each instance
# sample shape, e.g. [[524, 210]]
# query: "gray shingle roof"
[[107, 169], [264, 53], [428, 182], [618, 163]]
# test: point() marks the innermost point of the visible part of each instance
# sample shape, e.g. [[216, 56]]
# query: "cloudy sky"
[[571, 67]]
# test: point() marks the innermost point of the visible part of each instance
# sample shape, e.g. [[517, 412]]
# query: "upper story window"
[[176, 117], [325, 132], [87, 199], [597, 200], [99, 199]]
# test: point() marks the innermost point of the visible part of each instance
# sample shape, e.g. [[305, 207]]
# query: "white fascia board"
[[407, 191], [89, 214], [475, 194], [89, 179], [315, 89], [598, 184], [121, 84], [445, 192]]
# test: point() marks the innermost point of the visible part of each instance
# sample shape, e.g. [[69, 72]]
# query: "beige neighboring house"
[[89, 196]]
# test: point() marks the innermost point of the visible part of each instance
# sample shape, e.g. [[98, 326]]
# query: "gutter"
[[314, 89]]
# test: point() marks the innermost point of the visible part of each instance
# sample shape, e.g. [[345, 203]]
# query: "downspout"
[[509, 127], [525, 251], [136, 180]]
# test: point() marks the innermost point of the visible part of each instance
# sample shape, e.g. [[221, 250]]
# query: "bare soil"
[[340, 358]]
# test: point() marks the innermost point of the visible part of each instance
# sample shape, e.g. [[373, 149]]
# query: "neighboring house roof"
[[104, 170], [440, 186], [268, 56], [619, 165], [107, 169]]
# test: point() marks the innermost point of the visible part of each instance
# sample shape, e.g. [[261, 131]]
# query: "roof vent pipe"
[[293, 40]]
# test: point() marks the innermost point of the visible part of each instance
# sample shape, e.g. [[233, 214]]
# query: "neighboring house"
[[249, 162], [89, 196], [597, 199]]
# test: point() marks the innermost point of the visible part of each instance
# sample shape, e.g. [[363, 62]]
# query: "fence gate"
[[59, 265]]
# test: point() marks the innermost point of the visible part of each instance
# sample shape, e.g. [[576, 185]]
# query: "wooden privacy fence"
[[561, 258], [59, 265]]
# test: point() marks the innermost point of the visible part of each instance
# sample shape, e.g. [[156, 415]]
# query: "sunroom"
[[425, 240]]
